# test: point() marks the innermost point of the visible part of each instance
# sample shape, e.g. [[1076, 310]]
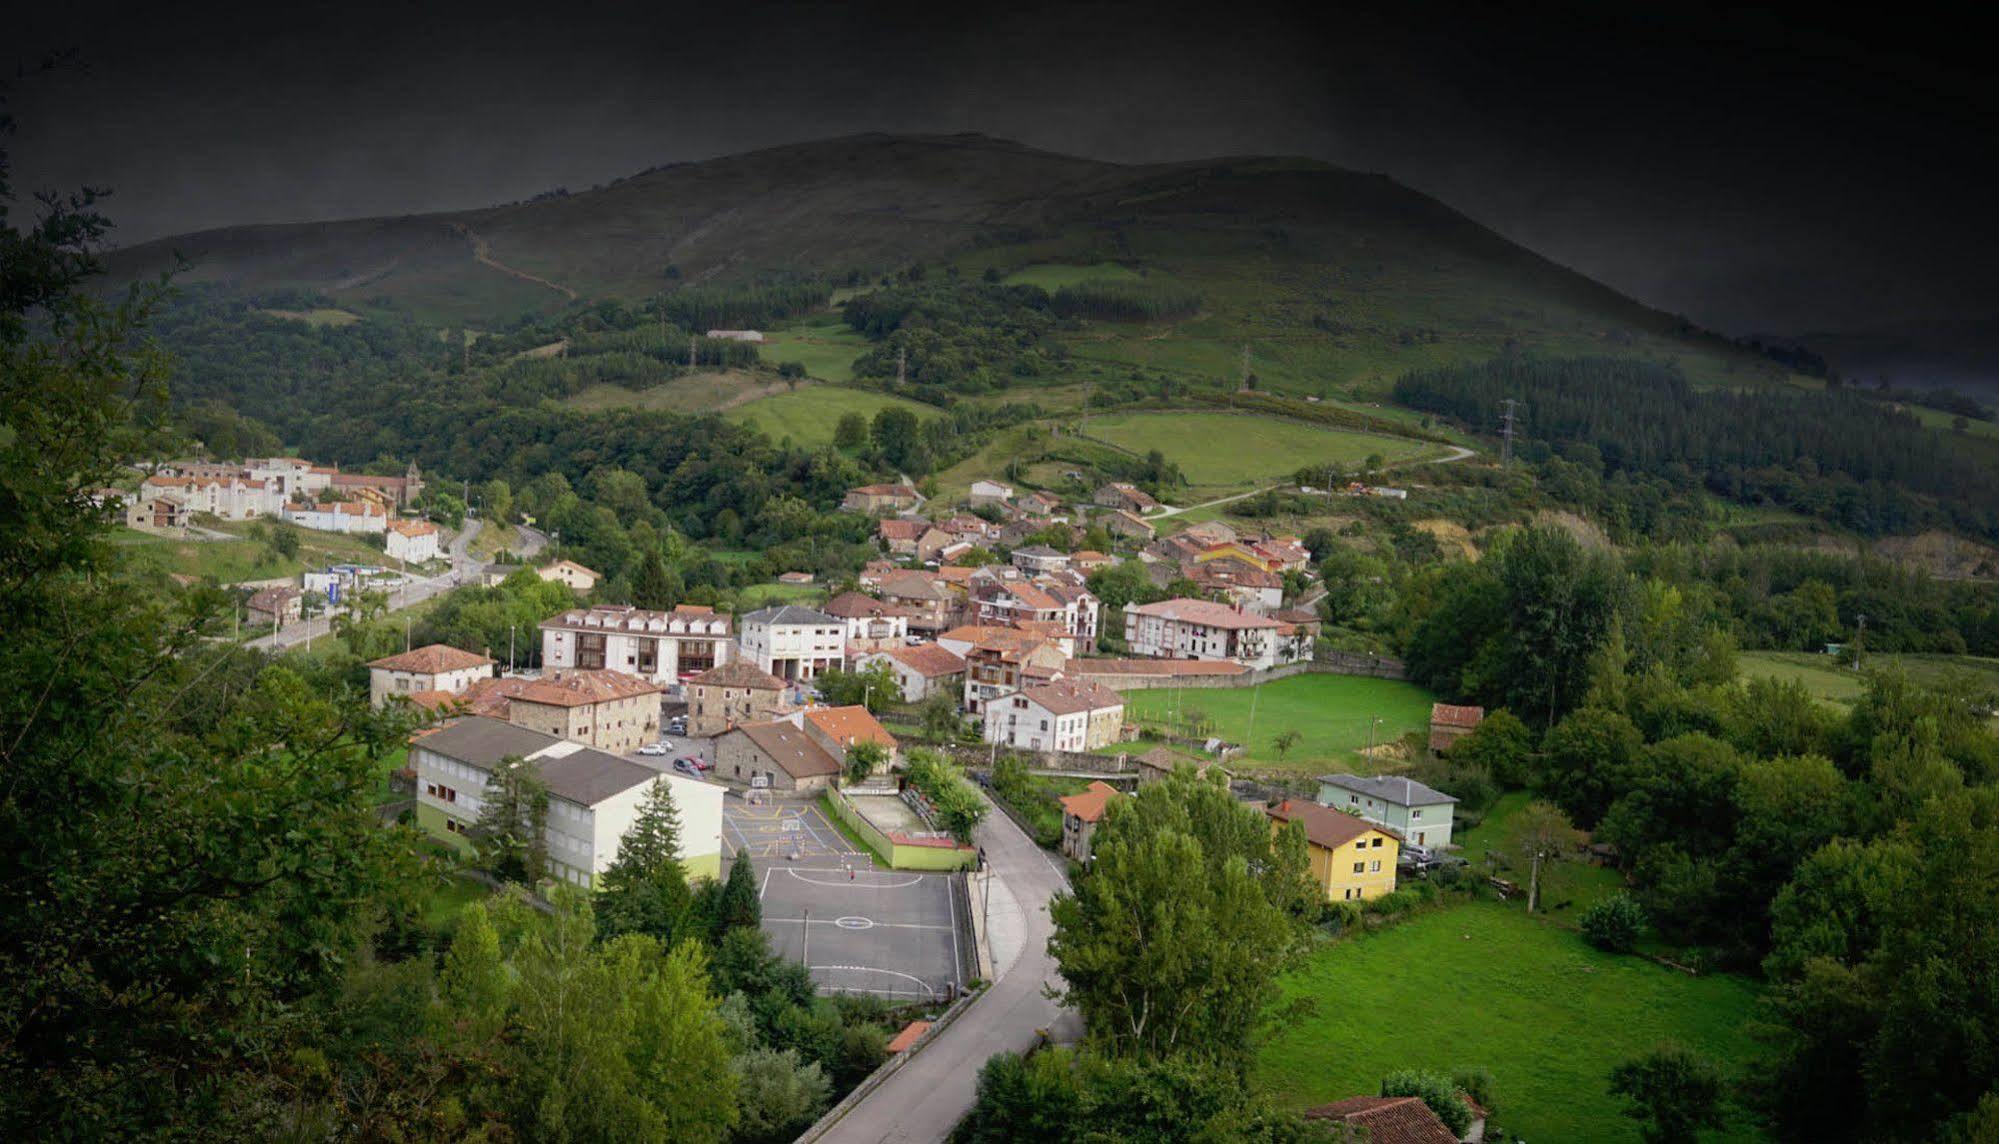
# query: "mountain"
[[1335, 276]]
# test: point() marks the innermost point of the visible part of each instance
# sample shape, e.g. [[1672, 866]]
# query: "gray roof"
[[789, 614], [590, 776], [1390, 789], [587, 776]]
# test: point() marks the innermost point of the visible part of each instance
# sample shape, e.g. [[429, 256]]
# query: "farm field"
[[1482, 985], [1825, 678], [231, 561], [693, 393], [808, 415], [1052, 276], [764, 595], [826, 348], [1329, 712], [1219, 451]]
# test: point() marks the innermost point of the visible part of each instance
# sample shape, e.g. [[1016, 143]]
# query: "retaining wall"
[[902, 852]]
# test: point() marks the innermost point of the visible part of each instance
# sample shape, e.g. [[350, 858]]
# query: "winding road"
[[934, 1089], [416, 591]]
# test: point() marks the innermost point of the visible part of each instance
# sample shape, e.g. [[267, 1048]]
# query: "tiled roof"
[[1068, 696], [790, 749], [738, 673], [412, 527], [1089, 805], [849, 725], [789, 614], [856, 606], [930, 660], [1389, 788], [1451, 715], [433, 659], [896, 528], [885, 490], [625, 618], [590, 776], [1154, 667], [1206, 613], [573, 566], [910, 1032], [581, 688], [1323, 825], [271, 599], [913, 586], [1387, 1119], [1038, 550]]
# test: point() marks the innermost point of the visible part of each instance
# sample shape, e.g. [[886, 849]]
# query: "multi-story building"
[[1351, 859], [1421, 815], [1003, 660], [579, 578], [1039, 558], [934, 602], [337, 516], [665, 647], [411, 541], [736, 692], [871, 624], [882, 498], [922, 670], [231, 496], [608, 710], [593, 796], [436, 668], [1061, 715], [1202, 629], [793, 642]]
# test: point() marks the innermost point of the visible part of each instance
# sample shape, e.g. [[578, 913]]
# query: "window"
[[1417, 813], [1374, 867], [446, 793], [1361, 845], [1377, 842], [1360, 867], [453, 826]]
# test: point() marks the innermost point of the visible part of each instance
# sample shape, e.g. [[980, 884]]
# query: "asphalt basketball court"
[[892, 933], [775, 830]]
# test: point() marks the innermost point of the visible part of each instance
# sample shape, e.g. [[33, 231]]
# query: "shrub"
[[1434, 1089], [1614, 924]]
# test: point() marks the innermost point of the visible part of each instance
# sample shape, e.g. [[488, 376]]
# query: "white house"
[[231, 497], [1065, 715], [870, 624], [411, 541], [1039, 558], [571, 573], [1202, 629], [793, 642], [338, 516], [439, 667], [922, 670], [664, 647], [593, 797], [990, 492], [1416, 812], [752, 336]]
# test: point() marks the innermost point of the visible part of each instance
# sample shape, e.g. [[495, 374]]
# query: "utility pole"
[[692, 342], [1506, 433], [510, 649], [1860, 641], [1244, 386], [805, 933], [901, 365]]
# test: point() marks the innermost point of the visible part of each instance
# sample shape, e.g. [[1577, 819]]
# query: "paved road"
[[933, 1091], [416, 590]]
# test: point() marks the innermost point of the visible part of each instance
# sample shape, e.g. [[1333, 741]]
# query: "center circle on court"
[[854, 923]]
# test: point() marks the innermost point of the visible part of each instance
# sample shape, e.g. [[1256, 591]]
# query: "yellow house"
[[1236, 550], [1351, 857]]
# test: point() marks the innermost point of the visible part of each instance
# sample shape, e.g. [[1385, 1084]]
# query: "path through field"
[[482, 252]]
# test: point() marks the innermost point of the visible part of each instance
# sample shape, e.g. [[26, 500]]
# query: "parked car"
[[699, 765], [687, 767], [656, 748]]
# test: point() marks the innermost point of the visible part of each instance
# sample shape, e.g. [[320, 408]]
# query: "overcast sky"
[[1761, 172]]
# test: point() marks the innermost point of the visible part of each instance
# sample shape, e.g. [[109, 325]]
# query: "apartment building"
[[667, 648]]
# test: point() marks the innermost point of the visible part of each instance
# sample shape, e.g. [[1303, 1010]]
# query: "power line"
[[1506, 433]]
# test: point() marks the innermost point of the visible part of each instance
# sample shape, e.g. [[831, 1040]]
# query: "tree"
[[1615, 923], [1284, 741], [1673, 1094], [677, 1035], [895, 434], [864, 759], [1501, 744], [1436, 1090], [1541, 835], [645, 889], [655, 586], [474, 983], [510, 834], [739, 906], [874, 686], [1172, 942], [779, 1095], [851, 432]]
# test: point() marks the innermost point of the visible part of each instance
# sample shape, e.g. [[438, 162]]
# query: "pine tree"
[[738, 906], [655, 586], [510, 835], [474, 979], [645, 890]]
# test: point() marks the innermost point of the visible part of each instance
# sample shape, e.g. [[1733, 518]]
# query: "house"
[[785, 754], [936, 545], [664, 647], [1240, 585], [1386, 1119], [275, 606], [795, 578], [1080, 814], [900, 534], [1450, 722], [922, 670], [986, 492], [1125, 523], [794, 642], [398, 493], [1040, 505], [411, 541], [871, 624], [1129, 497], [1421, 815], [164, 511], [593, 796], [752, 336], [228, 494], [838, 728], [608, 710], [933, 603], [1088, 560], [1060, 715], [338, 516], [437, 667], [1004, 660], [1202, 629], [1208, 532], [1352, 859], [1039, 558], [969, 528], [881, 498], [736, 692], [579, 578]]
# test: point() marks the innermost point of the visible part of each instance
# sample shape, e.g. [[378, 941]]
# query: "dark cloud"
[[1757, 170]]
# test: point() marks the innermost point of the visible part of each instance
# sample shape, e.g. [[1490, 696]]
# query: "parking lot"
[[779, 829], [860, 930]]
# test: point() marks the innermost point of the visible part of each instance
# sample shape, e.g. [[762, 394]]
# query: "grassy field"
[[1835, 681], [1481, 985], [1568, 888], [764, 595], [1052, 276], [1230, 450], [232, 561], [694, 393], [826, 347], [1329, 712], [808, 415], [324, 316]]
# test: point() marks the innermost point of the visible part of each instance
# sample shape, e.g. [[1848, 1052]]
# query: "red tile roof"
[[790, 749], [1089, 805], [849, 725], [1175, 667], [738, 673], [1206, 613], [1325, 826], [1450, 715], [1387, 1119], [433, 659], [928, 660], [856, 606], [1068, 696]]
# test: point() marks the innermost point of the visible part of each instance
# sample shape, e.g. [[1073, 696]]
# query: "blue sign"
[[332, 592]]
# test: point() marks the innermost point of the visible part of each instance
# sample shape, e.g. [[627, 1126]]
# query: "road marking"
[[951, 897]]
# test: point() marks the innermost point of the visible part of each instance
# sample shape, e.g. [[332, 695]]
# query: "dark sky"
[[1761, 170]]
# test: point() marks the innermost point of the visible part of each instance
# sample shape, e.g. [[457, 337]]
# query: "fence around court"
[[903, 851]]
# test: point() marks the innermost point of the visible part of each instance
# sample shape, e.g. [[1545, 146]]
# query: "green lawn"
[[1834, 680], [230, 561], [807, 415], [1481, 985], [1052, 276], [451, 899], [1230, 450], [826, 347], [1329, 712], [1568, 888], [764, 595]]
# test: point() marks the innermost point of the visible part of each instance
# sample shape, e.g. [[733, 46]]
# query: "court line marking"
[[927, 987], [915, 880], [853, 929], [951, 898]]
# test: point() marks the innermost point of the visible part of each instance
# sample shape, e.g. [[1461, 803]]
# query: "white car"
[[656, 749]]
